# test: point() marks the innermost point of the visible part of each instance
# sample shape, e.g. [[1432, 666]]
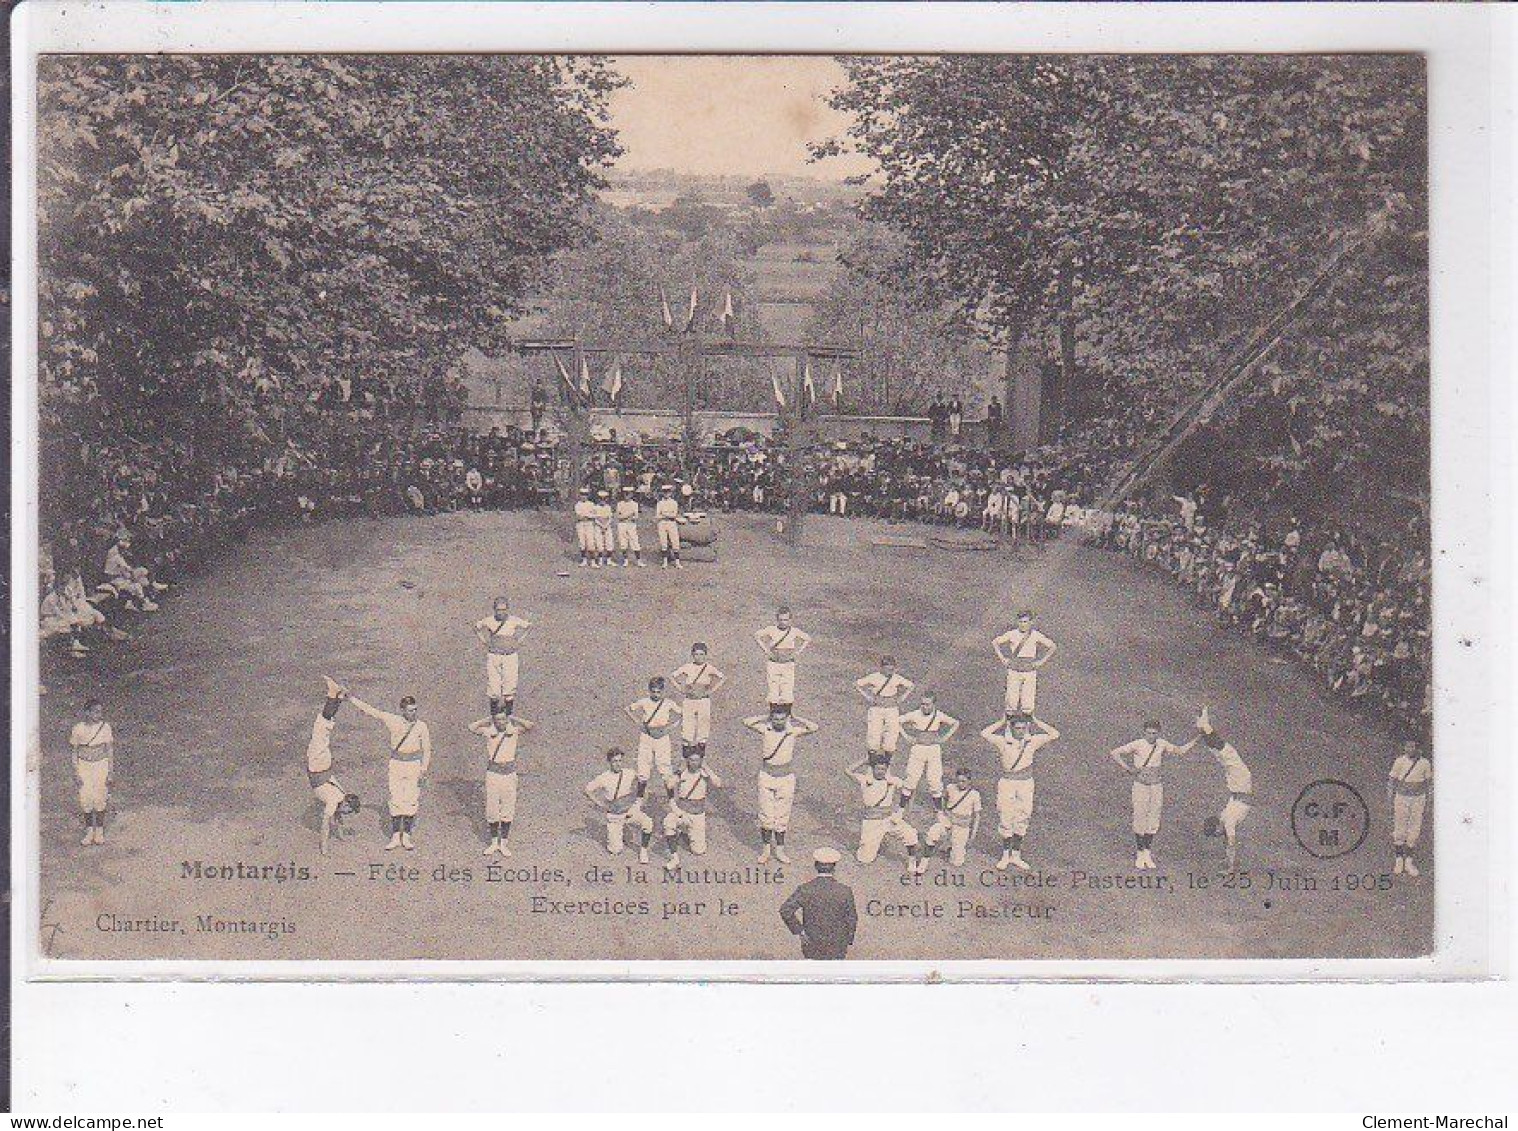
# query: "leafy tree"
[[761, 194], [1177, 198], [606, 290], [210, 219], [1158, 210], [911, 343]]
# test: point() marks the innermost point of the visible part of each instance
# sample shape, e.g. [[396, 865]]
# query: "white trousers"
[[780, 681], [500, 797], [405, 780], [92, 784], [654, 753], [925, 760], [777, 793], [882, 728], [693, 825], [959, 838], [1022, 691], [1148, 801], [696, 726], [501, 675], [616, 827], [1014, 805], [874, 830], [1407, 817]]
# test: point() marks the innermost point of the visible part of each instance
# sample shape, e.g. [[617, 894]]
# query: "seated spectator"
[[125, 578]]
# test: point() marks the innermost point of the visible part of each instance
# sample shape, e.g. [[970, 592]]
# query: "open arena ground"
[[212, 705]]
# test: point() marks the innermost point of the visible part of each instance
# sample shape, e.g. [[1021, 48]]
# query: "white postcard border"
[[1467, 61]]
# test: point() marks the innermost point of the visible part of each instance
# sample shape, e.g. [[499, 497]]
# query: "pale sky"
[[745, 115]]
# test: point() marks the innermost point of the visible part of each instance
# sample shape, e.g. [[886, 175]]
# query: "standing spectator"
[[821, 912], [537, 405], [993, 423], [938, 418]]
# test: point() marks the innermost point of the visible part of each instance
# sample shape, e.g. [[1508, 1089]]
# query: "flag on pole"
[[807, 384], [729, 319], [585, 376], [564, 372], [837, 385], [690, 319], [669, 319], [779, 393], [613, 384]]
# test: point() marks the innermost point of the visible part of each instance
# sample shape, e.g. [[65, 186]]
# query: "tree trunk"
[[1072, 395], [1026, 416]]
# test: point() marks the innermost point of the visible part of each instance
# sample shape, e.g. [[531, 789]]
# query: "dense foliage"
[[1182, 201], [913, 345], [210, 222], [607, 290]]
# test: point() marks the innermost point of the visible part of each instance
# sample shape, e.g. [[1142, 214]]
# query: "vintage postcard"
[[634, 508]]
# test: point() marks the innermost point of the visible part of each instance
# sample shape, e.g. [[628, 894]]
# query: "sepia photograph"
[[733, 507]]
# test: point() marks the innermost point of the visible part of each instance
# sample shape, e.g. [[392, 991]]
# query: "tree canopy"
[[606, 289], [1174, 175], [914, 343], [761, 194], [1166, 207], [207, 219]]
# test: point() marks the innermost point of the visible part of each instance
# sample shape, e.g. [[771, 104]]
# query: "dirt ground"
[[212, 705]]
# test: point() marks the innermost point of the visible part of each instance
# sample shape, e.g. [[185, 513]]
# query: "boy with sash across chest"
[[336, 803], [602, 518], [501, 733], [1016, 738], [778, 732], [585, 527], [93, 745], [781, 642], [687, 808], [958, 819], [667, 524], [1239, 782], [410, 758], [883, 813], [615, 790], [502, 635], [697, 682], [627, 526], [1407, 790], [1143, 759], [657, 719], [927, 729], [1022, 651], [884, 691]]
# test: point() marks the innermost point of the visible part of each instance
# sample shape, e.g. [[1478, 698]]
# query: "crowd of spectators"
[[1356, 611], [137, 492], [131, 508], [1353, 609]]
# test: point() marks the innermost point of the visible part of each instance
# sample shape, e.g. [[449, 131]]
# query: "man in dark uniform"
[[821, 911], [537, 405]]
